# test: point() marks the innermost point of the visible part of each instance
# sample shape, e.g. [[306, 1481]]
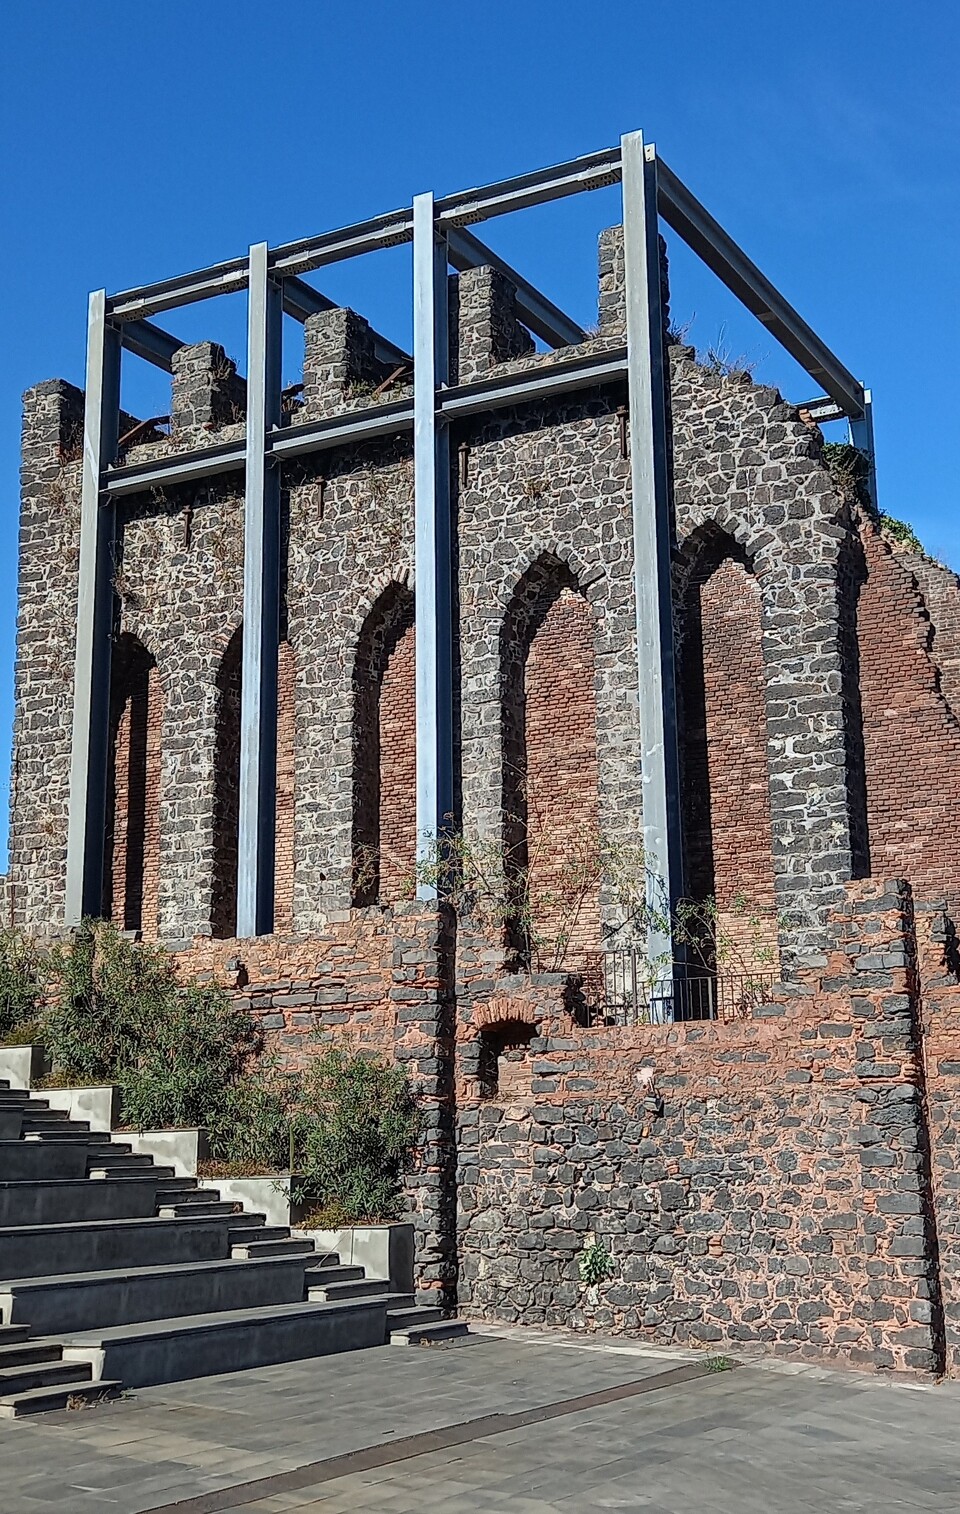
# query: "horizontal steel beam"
[[370, 423], [594, 171], [365, 425], [178, 468], [823, 410], [533, 384], [150, 342], [544, 318], [168, 294], [681, 210], [301, 300], [390, 230]]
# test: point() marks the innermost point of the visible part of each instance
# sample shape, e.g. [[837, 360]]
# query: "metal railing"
[[614, 988]]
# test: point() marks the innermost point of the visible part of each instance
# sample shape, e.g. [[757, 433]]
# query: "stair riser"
[[33, 1161], [58, 1308], [235, 1347], [22, 1379], [46, 1253], [10, 1124], [46, 1203]]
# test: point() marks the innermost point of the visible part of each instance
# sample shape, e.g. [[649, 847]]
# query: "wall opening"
[[384, 752], [132, 837], [549, 779], [728, 838], [504, 1068]]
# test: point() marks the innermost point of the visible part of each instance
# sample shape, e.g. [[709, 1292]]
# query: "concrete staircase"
[[116, 1272]]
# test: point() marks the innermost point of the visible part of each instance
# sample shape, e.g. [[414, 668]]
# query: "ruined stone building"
[[783, 1172]]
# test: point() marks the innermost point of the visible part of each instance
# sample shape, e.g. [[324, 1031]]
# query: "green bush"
[[119, 1015], [182, 1054], [356, 1125], [23, 975]]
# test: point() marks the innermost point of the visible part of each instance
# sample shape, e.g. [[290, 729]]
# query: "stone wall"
[[759, 1182]]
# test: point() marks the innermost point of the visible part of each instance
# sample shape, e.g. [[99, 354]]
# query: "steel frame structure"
[[273, 279]]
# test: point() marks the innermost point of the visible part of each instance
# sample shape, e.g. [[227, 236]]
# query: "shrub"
[[121, 1016], [23, 973], [356, 1126], [250, 1129]]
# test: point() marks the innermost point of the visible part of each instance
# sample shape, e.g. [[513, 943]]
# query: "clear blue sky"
[[138, 141]]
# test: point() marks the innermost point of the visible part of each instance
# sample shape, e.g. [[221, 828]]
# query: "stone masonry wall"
[[757, 1182]]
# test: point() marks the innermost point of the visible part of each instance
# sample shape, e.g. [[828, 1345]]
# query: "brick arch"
[[384, 750], [728, 834], [549, 768], [132, 836]]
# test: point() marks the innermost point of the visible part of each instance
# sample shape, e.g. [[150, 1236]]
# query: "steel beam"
[[390, 230], [176, 468], [432, 537], [720, 252], [340, 431], [652, 543], [148, 341], [86, 823], [861, 435], [822, 410], [534, 383], [261, 606], [594, 171], [185, 289], [544, 318]]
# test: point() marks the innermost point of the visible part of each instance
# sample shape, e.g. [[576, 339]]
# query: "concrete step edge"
[[41, 1400]]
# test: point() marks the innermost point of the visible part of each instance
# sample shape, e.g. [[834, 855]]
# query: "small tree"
[[23, 971]]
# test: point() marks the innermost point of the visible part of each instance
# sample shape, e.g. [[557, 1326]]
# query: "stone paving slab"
[[763, 1438]]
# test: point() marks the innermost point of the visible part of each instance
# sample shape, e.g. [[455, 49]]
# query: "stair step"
[[320, 1276], [84, 1301], [43, 1375], [25, 1354], [247, 1250], [406, 1317], [112, 1158], [41, 1400], [55, 1136], [426, 1335], [11, 1334], [241, 1234], [216, 1207], [41, 1250], [172, 1350], [361, 1288]]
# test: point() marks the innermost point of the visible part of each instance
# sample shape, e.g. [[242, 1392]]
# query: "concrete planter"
[[182, 1150], [270, 1195], [384, 1251], [20, 1066], [98, 1106]]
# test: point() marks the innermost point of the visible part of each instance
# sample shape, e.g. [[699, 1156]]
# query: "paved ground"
[[525, 1423]]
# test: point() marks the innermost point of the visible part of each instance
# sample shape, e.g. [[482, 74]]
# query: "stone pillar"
[[207, 391], [488, 331], [339, 363], [46, 632]]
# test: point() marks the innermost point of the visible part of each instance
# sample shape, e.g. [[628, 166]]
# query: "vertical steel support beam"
[[652, 538], [261, 607], [861, 436], [432, 531], [91, 681]]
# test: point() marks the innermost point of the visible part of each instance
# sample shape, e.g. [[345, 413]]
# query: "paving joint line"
[[423, 1443]]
